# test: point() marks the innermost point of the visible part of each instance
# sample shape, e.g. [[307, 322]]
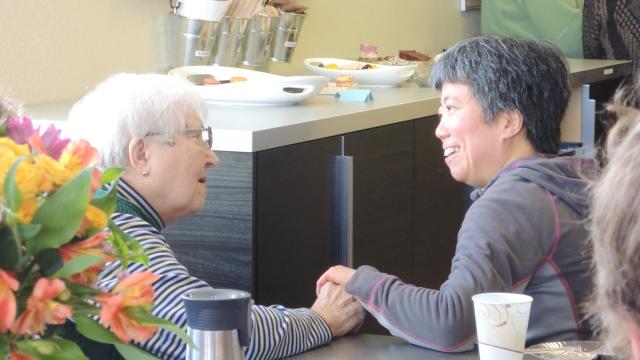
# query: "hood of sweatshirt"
[[564, 177]]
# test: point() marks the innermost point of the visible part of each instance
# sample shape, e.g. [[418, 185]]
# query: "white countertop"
[[251, 129]]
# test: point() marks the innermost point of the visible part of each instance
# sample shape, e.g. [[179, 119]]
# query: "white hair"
[[126, 106]]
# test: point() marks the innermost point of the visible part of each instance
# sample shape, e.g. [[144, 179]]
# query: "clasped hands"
[[341, 311]]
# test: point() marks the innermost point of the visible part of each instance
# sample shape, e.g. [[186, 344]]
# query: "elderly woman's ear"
[[138, 156]]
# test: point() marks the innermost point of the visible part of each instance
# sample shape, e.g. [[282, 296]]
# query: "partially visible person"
[[615, 230], [8, 107], [152, 126], [611, 30], [556, 21], [501, 105]]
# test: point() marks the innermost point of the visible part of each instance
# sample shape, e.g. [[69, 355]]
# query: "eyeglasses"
[[204, 134]]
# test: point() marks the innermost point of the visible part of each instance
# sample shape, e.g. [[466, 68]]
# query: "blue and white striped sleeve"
[[277, 331], [280, 332]]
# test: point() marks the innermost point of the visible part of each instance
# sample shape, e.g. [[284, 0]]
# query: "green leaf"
[[127, 248], [81, 290], [10, 253], [145, 318], [111, 174], [4, 346], [132, 352], [49, 261], [28, 231], [50, 349], [61, 214], [94, 331], [13, 196], [107, 202], [77, 264]]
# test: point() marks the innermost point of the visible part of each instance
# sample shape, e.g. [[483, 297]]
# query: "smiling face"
[[471, 145], [176, 183]]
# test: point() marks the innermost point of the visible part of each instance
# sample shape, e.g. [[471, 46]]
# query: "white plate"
[[261, 88], [568, 350], [382, 75]]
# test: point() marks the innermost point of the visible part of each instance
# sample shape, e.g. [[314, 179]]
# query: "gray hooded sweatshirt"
[[524, 233]]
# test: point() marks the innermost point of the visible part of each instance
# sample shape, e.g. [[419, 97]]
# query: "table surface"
[[378, 347], [381, 347]]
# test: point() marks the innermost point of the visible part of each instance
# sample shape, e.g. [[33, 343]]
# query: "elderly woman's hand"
[[341, 311]]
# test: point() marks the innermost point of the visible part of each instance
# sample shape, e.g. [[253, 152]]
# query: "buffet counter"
[[253, 129]]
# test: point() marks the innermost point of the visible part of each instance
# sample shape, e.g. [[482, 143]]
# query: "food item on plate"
[[368, 52], [395, 60], [203, 79], [208, 79], [413, 55], [349, 66], [344, 80], [237, 78]]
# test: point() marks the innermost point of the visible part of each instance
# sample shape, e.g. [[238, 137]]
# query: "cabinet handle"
[[342, 248], [588, 122]]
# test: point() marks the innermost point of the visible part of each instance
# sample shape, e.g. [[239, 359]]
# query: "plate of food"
[[364, 73], [236, 86], [569, 350]]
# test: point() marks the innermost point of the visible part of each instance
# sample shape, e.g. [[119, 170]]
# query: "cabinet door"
[[293, 220], [383, 197], [382, 202], [216, 244], [440, 205]]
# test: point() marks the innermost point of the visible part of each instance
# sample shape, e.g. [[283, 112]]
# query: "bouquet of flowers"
[[55, 238]]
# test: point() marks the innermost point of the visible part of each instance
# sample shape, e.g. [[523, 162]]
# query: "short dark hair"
[[504, 74]]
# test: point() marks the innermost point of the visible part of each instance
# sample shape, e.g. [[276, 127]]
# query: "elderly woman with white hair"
[[615, 230], [152, 125]]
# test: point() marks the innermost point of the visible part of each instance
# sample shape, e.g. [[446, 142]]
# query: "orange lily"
[[8, 284], [78, 155], [133, 291], [92, 246], [42, 309], [15, 355]]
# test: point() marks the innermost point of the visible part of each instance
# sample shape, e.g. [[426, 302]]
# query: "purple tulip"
[[20, 130]]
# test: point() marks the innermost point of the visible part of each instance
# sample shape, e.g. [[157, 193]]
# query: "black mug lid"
[[210, 309]]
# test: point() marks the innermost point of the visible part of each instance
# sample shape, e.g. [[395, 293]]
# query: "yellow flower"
[[8, 145], [9, 152], [56, 174], [93, 218], [27, 209]]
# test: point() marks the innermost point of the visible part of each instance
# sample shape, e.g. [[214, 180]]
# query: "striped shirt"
[[277, 331]]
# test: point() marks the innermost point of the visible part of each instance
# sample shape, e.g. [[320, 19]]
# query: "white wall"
[[55, 50]]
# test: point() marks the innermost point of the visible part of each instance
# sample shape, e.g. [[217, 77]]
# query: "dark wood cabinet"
[[293, 226], [382, 197], [216, 245]]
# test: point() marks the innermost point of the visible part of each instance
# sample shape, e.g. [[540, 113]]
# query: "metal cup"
[[230, 40], [193, 40], [218, 323], [258, 41], [286, 36]]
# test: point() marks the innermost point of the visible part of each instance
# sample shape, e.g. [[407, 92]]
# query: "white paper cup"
[[501, 324]]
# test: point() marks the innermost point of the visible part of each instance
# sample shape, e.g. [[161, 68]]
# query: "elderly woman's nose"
[[212, 159]]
